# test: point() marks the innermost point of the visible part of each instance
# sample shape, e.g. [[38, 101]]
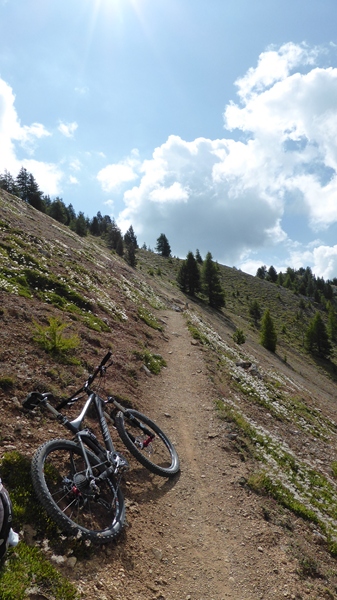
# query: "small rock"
[[244, 364], [146, 370], [71, 561], [157, 553]]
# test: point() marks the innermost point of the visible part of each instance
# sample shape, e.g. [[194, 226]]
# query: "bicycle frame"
[[87, 437]]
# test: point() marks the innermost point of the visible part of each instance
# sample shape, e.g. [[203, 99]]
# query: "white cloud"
[[9, 128], [114, 175], [47, 175], [234, 197], [182, 194], [68, 129]]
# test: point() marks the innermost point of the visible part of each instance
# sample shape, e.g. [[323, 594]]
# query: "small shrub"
[[6, 382], [197, 335], [334, 468], [308, 567], [51, 338], [239, 337], [154, 362], [149, 319]]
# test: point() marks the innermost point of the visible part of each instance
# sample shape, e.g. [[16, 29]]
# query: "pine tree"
[[115, 238], [21, 183], [130, 238], [94, 227], [130, 255], [255, 311], [261, 273], [7, 183], [212, 283], [81, 225], [198, 257], [189, 275], [34, 195], [268, 337], [332, 323], [316, 337], [163, 247], [272, 274], [57, 210]]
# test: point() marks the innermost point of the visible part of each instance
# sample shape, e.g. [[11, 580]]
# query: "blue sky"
[[212, 122]]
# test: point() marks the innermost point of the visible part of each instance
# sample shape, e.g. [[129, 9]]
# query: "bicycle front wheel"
[[147, 442], [92, 507]]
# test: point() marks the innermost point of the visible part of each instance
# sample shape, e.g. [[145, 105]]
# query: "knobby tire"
[[62, 486], [160, 456]]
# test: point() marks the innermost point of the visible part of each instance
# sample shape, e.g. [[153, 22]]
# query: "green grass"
[[148, 318], [154, 362], [26, 569], [52, 340]]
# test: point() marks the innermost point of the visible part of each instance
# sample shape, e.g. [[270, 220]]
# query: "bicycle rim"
[[155, 451], [94, 508]]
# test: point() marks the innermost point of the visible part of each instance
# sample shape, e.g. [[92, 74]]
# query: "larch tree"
[[268, 336], [212, 283], [163, 247]]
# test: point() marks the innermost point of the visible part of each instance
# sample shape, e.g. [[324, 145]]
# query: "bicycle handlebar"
[[35, 398]]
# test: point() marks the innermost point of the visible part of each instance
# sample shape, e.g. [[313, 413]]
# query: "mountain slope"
[[246, 422]]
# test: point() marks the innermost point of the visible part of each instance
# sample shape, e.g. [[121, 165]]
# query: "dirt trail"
[[200, 536], [193, 539]]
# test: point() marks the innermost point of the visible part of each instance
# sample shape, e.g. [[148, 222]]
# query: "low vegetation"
[[89, 297]]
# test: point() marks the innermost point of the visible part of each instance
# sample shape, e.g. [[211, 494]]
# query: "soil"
[[203, 535]]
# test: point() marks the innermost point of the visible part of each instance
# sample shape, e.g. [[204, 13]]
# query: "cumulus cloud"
[[68, 129], [234, 197], [112, 176], [12, 133], [48, 175]]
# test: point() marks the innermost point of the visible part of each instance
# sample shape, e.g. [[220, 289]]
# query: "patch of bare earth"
[[202, 535]]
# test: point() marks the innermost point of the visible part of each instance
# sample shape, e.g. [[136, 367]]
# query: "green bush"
[[239, 337], [51, 338]]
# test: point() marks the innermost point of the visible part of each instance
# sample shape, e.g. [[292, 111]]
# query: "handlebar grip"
[[106, 358], [32, 401]]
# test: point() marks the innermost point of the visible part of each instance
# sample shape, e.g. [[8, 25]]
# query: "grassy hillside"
[[279, 408]]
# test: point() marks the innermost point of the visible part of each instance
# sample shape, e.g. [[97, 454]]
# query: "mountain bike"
[[78, 481]]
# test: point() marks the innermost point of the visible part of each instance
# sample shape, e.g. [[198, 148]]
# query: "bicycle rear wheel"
[[92, 508], [147, 442]]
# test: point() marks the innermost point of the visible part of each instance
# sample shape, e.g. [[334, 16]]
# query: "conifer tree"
[[316, 337], [130, 238], [189, 275], [81, 225], [7, 183], [34, 195], [115, 238], [268, 337], [212, 283], [332, 323], [255, 311], [131, 244], [21, 183], [198, 257], [163, 247]]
